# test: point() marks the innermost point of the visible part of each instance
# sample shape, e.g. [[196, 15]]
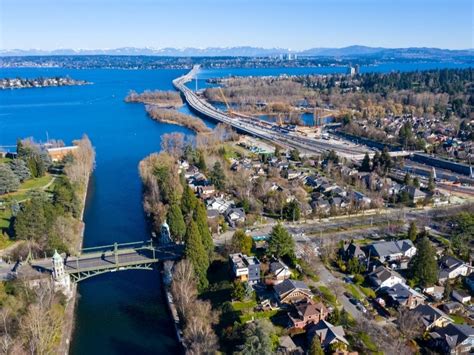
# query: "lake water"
[[122, 312]]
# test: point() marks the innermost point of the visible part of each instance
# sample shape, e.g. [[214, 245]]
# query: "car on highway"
[[361, 308]]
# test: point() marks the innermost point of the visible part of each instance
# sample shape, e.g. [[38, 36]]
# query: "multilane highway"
[[258, 129]]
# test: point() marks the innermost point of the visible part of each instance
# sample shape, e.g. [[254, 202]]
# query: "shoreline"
[[70, 310]]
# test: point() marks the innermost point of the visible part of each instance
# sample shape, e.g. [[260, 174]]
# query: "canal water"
[[122, 312]]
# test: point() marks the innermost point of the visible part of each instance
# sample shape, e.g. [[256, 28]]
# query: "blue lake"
[[123, 312]]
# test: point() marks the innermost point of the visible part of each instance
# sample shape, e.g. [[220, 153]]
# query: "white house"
[[383, 277], [393, 250], [451, 267], [461, 296]]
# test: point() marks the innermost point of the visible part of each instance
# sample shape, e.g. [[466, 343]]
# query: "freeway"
[[259, 129]]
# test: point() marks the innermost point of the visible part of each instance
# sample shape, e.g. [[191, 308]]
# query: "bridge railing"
[[117, 247]]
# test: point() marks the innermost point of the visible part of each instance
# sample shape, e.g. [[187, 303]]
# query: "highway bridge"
[[258, 129], [110, 258]]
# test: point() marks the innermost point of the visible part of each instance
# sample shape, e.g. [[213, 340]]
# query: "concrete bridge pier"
[[61, 279]]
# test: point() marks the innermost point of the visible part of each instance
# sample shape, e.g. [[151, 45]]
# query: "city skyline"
[[296, 25]]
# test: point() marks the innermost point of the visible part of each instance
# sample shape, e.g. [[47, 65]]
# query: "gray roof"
[[327, 332], [381, 274], [400, 293], [454, 334], [384, 249], [289, 285], [429, 314]]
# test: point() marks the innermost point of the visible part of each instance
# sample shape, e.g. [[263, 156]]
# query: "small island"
[[178, 118], [23, 83], [164, 99]]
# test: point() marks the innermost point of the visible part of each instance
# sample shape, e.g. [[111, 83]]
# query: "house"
[[287, 346], [327, 333], [470, 281], [451, 267], [393, 250], [219, 203], [453, 339], [383, 277], [57, 154], [290, 291], [245, 268], [321, 205], [279, 272], [436, 292], [307, 312], [452, 307], [415, 194], [205, 192], [403, 295], [361, 199], [354, 251], [211, 214], [461, 296], [234, 216], [292, 174], [432, 317]]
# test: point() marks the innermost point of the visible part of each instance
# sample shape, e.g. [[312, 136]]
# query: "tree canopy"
[[423, 267], [281, 243]]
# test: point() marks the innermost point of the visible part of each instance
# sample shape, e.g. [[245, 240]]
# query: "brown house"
[[307, 312], [292, 291]]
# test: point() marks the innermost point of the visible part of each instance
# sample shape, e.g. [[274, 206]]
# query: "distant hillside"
[[246, 51]]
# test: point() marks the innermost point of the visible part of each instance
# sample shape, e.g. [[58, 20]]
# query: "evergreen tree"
[[295, 155], [201, 162], [431, 183], [20, 169], [217, 176], [188, 201], [31, 222], [196, 253], [64, 197], [386, 160], [281, 243], [416, 182], [407, 179], [292, 211], [238, 291], [412, 231], [376, 161], [365, 165], [200, 216], [241, 242], [8, 180], [176, 223], [423, 267], [315, 348]]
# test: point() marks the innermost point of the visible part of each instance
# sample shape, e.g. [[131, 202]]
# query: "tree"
[[292, 211], [65, 198], [200, 216], [196, 253], [315, 347], [412, 231], [407, 179], [416, 182], [176, 223], [354, 266], [8, 180], [281, 243], [409, 323], [188, 201], [238, 291], [241, 242], [258, 338], [365, 165], [423, 268], [295, 154], [431, 183], [31, 222], [217, 176], [20, 169]]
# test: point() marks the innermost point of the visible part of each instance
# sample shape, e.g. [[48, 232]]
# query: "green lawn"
[[353, 290], [239, 306], [328, 295], [37, 183], [258, 315], [5, 160], [457, 319]]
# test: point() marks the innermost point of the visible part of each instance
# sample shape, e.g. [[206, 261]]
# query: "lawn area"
[[328, 295], [5, 218], [4, 160], [36, 183], [353, 290], [239, 306], [258, 315], [457, 319]]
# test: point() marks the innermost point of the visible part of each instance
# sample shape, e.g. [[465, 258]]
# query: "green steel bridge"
[[115, 257]]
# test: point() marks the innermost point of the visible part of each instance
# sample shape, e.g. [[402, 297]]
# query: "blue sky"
[[294, 24]]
